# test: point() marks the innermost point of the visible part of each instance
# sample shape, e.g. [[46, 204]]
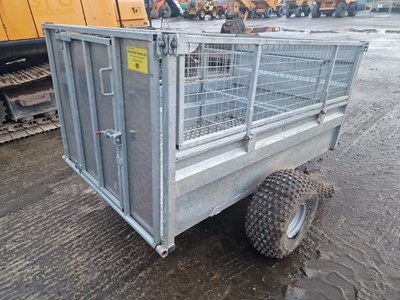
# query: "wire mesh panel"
[[342, 72], [227, 89], [215, 95], [290, 77]]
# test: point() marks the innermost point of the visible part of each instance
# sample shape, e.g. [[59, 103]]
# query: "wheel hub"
[[297, 222]]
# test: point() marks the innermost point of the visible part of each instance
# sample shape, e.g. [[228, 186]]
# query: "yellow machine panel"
[[57, 11], [3, 35], [17, 20], [132, 12], [104, 12], [99, 13]]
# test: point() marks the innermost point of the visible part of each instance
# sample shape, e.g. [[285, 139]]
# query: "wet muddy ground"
[[59, 240]]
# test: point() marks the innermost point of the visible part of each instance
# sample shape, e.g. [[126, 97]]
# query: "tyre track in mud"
[[359, 228], [59, 240]]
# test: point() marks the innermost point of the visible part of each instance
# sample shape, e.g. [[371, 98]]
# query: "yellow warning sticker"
[[138, 59]]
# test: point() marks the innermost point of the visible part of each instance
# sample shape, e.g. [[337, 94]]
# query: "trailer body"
[[171, 128]]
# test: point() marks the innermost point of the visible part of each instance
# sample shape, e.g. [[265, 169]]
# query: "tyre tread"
[[271, 207]]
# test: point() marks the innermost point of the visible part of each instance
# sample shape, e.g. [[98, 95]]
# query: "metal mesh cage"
[[235, 86]]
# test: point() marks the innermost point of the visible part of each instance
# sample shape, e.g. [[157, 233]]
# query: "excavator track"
[[13, 131], [25, 76], [23, 79]]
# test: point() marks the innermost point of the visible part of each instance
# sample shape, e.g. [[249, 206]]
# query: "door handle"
[[102, 90]]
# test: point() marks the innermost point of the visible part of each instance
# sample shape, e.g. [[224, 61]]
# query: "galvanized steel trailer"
[[171, 128]]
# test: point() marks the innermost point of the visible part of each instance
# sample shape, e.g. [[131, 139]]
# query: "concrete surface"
[[58, 240]]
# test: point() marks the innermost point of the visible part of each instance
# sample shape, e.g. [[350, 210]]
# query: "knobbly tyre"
[[238, 114]]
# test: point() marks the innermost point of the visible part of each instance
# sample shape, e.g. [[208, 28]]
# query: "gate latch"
[[114, 136]]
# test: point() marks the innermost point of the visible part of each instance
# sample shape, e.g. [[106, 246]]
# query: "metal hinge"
[[167, 44]]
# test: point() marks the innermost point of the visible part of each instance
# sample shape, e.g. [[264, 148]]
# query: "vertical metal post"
[[328, 79], [181, 100], [74, 104], [119, 120], [154, 73], [252, 90], [87, 58], [50, 51], [169, 118], [203, 70]]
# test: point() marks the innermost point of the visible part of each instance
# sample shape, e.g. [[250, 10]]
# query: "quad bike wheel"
[[281, 212]]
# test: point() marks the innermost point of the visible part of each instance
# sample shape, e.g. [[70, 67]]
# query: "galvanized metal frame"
[[186, 174], [169, 117], [74, 104], [50, 50], [93, 111]]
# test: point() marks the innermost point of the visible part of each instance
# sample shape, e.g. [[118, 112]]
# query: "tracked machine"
[[26, 100]]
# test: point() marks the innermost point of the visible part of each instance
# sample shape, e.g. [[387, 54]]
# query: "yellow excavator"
[[26, 102]]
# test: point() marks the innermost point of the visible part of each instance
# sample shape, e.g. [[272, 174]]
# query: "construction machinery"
[[298, 7], [337, 7], [26, 101], [201, 8], [236, 15], [222, 7], [165, 9], [266, 8]]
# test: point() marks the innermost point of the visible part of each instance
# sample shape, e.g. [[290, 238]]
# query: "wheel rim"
[[297, 222]]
